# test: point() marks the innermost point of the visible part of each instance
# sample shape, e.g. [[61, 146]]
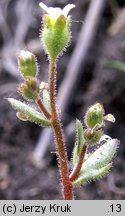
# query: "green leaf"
[[75, 155], [98, 163], [79, 141], [32, 114], [79, 136], [91, 175], [46, 99], [102, 156], [115, 65]]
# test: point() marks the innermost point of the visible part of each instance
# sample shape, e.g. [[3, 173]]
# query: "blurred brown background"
[[28, 168]]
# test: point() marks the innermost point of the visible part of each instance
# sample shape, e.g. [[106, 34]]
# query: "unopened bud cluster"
[[28, 68], [94, 120]]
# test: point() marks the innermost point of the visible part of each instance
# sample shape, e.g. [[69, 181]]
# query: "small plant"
[[55, 37]]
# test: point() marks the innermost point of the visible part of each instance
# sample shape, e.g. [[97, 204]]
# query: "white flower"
[[54, 13]]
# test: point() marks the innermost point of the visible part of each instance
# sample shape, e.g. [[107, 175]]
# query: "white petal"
[[110, 118], [67, 8], [55, 12], [44, 7], [25, 54]]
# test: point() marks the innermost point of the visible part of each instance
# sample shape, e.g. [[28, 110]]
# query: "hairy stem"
[[43, 108], [60, 144], [74, 175]]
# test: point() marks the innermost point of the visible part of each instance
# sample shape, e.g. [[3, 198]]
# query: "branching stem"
[[74, 175], [43, 108], [66, 184]]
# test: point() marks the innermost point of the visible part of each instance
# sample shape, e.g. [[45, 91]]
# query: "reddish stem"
[[43, 108], [60, 144], [74, 175]]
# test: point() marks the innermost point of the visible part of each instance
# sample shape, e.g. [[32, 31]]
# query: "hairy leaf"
[[102, 156], [79, 136], [98, 163], [75, 155], [90, 175], [31, 113], [79, 141], [46, 99]]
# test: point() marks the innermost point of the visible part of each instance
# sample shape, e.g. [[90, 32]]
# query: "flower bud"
[[94, 115], [92, 137], [27, 64], [55, 34], [29, 89]]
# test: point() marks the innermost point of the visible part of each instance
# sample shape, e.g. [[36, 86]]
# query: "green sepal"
[[89, 175], [94, 115], [92, 136], [55, 35], [46, 99], [32, 114], [27, 64], [29, 89]]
